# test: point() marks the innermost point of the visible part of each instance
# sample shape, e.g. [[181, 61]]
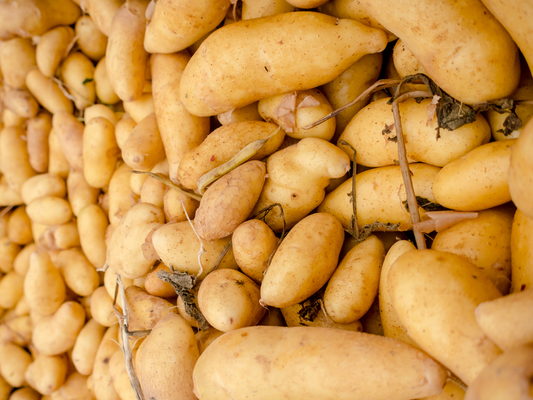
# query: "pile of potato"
[[171, 227]]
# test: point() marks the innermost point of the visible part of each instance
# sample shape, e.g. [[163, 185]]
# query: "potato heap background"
[[93, 90]]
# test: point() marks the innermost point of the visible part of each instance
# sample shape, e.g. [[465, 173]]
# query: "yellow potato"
[[140, 108], [404, 61], [100, 151], [156, 286], [80, 194], [520, 175], [75, 387], [103, 385], [10, 119], [180, 130], [152, 190], [102, 307], [5, 389], [47, 92], [229, 300], [171, 342], [21, 264], [52, 49], [297, 177], [521, 256], [304, 261], [8, 252], [104, 90], [120, 378], [57, 162], [246, 113], [92, 225], [15, 362], [102, 12], [435, 295], [25, 393], [19, 227], [43, 285], [21, 103], [205, 338], [17, 57], [91, 41], [253, 243], [78, 273], [146, 310], [125, 54], [77, 71], [49, 210], [264, 8], [69, 131], [60, 237], [110, 283], [16, 165], [174, 204], [323, 363], [354, 284], [8, 196], [121, 198], [374, 149], [11, 289], [86, 345], [37, 137], [451, 56], [46, 373], [213, 84]]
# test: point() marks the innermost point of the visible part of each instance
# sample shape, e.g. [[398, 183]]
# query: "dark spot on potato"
[[240, 283], [105, 360]]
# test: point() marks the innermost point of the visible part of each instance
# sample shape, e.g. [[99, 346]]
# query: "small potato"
[[146, 310], [11, 289], [121, 198], [297, 109], [52, 49], [10, 119], [49, 210], [92, 225], [152, 190], [37, 138], [74, 388], [229, 201], [253, 243], [123, 130], [230, 300], [137, 181], [520, 175], [25, 393], [8, 253], [205, 338], [156, 286], [178, 206], [92, 42], [60, 237], [102, 307], [246, 113], [120, 378], [21, 264], [69, 131], [16, 165], [80, 194], [19, 227], [86, 346], [15, 362], [405, 62], [521, 252], [354, 284], [478, 180], [184, 258], [78, 273], [103, 385], [100, 110], [58, 334], [104, 90], [43, 285], [102, 12], [124, 253], [171, 342], [264, 8], [100, 152], [304, 261], [143, 148], [47, 92], [21, 103], [140, 108], [57, 162], [47, 373], [17, 57], [41, 186]]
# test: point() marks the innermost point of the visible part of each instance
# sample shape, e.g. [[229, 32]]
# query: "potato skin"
[[213, 83], [229, 201], [521, 252], [319, 363], [520, 171]]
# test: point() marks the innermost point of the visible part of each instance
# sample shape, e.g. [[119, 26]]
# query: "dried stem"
[[381, 84], [222, 255], [162, 178], [406, 173], [354, 223], [265, 211]]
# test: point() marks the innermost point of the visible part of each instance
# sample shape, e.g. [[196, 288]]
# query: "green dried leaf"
[[88, 80]]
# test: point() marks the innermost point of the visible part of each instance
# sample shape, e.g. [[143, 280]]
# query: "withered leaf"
[[308, 101], [432, 110], [284, 112]]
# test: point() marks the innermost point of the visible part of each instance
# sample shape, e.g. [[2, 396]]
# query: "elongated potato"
[[435, 295], [17, 57], [15, 362], [102, 307], [140, 108], [103, 385], [304, 261], [57, 162], [16, 165], [25, 393], [49, 210], [86, 345], [19, 227], [92, 225], [169, 355], [120, 378], [146, 310], [21, 103], [246, 113], [11, 289], [338, 365], [180, 130], [37, 138], [354, 284], [264, 8], [177, 206], [8, 252], [78, 273], [100, 151], [78, 73], [143, 148], [21, 264], [92, 42], [152, 190], [121, 198], [47, 373], [80, 194], [47, 92], [521, 256], [8, 196], [52, 49], [102, 12], [70, 134], [60, 237], [212, 84], [104, 91]]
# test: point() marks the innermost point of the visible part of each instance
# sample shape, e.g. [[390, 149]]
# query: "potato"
[[92, 224], [103, 385], [229, 300], [34, 17], [46, 373], [103, 88], [80, 194], [479, 39], [5, 389], [110, 283], [8, 252], [21, 103], [435, 295], [92, 42], [16, 165], [246, 113], [25, 393], [521, 258], [184, 257], [174, 26], [52, 49], [77, 72], [253, 243], [44, 288], [146, 310], [354, 284], [17, 57], [15, 361], [520, 176], [140, 108], [124, 253], [100, 151], [37, 138], [102, 12], [212, 84], [19, 329], [12, 120], [143, 148], [297, 109], [125, 54], [60, 237], [304, 261], [11, 289], [342, 361], [86, 346], [57, 162], [171, 342], [21, 264], [49, 210], [349, 85], [180, 131], [205, 338], [297, 177], [69, 131], [392, 326], [75, 387], [120, 378], [78, 273], [19, 227], [156, 286], [47, 92], [374, 149], [152, 190], [264, 8], [121, 198], [8, 196], [229, 201], [177, 206]]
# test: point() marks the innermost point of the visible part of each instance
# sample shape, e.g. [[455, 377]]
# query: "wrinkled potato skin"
[[327, 364], [222, 145], [521, 252], [229, 201], [435, 295], [304, 261], [210, 87]]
